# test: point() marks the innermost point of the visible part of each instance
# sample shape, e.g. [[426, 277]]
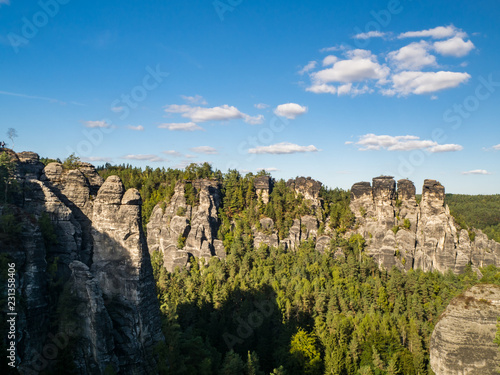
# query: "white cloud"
[[330, 60], [139, 128], [405, 83], [496, 147], [349, 89], [369, 34], [197, 99], [282, 148], [261, 106], [477, 171], [177, 108], [254, 120], [181, 126], [117, 109], [439, 32], [309, 66], [91, 159], [269, 169], [96, 124], [142, 157], [221, 113], [290, 110], [361, 66], [203, 114], [175, 154], [451, 147], [333, 49], [322, 88], [456, 47], [414, 56], [207, 150], [371, 141]]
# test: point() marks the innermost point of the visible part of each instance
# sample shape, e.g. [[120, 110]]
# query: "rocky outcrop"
[[407, 235], [89, 322], [308, 187], [122, 267], [263, 187], [462, 340], [181, 231], [99, 255]]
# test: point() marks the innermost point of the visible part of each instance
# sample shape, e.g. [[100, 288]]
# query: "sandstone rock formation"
[[308, 187], [181, 231], [407, 235], [462, 340], [263, 187], [100, 256]]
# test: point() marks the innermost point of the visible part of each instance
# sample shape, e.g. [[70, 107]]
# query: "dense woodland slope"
[[331, 313], [478, 211], [260, 309]]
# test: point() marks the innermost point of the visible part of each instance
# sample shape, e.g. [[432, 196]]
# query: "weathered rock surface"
[[90, 323], [101, 257], [263, 187], [406, 235], [181, 231], [462, 340], [122, 267], [308, 187]]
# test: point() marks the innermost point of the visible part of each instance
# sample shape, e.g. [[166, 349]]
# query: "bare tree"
[[12, 133]]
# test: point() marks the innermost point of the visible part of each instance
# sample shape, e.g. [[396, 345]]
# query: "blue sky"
[[339, 91]]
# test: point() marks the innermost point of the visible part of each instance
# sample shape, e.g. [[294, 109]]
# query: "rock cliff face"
[[99, 255], [263, 187], [308, 187], [462, 341], [407, 235], [181, 231]]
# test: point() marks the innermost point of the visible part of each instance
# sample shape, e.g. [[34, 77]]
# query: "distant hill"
[[478, 211]]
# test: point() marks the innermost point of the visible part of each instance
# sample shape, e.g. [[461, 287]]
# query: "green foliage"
[[11, 226], [496, 340], [320, 314], [48, 231], [181, 242], [336, 204], [190, 195], [47, 161], [477, 211], [181, 211], [71, 162], [8, 183], [406, 224], [395, 229], [305, 353]]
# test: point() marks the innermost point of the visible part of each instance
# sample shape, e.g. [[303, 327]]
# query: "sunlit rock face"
[[181, 231], [462, 340], [402, 233]]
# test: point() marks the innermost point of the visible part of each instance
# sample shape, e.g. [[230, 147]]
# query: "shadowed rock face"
[[462, 340], [122, 266], [406, 235], [101, 257]]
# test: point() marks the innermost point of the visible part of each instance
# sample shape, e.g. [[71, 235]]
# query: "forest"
[[267, 310]]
